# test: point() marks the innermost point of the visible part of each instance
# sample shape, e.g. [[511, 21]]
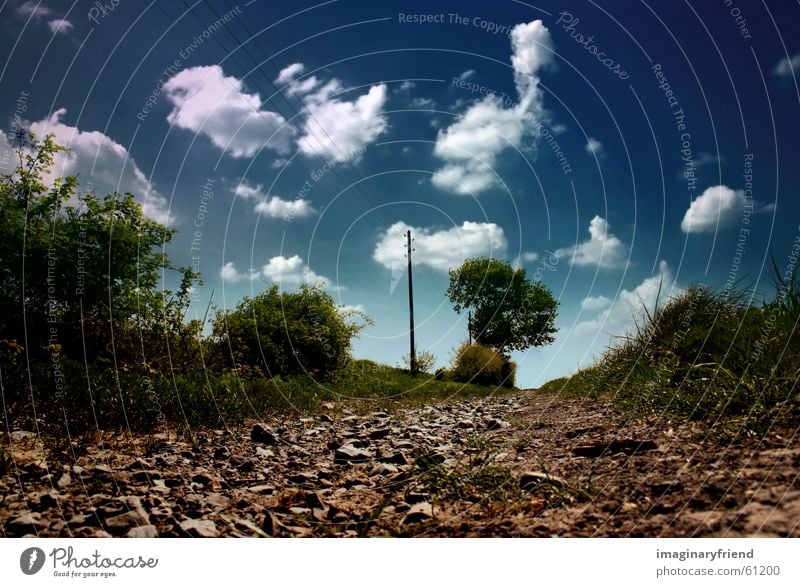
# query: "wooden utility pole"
[[413, 351], [469, 327]]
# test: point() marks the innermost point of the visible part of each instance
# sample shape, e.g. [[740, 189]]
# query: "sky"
[[619, 151]]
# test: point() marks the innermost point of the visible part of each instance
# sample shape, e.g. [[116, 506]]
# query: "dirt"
[[517, 465]]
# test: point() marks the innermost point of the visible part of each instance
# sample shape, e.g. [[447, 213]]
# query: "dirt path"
[[518, 465]]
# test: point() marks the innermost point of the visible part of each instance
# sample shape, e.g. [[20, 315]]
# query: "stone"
[[262, 489], [627, 446], [465, 425], [18, 435], [325, 418], [64, 481], [496, 424], [419, 512], [393, 457], [26, 523], [531, 480], [350, 454], [263, 434], [382, 469], [131, 519], [200, 528], [147, 531], [379, 433]]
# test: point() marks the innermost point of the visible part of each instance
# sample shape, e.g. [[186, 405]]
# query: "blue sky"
[[610, 148]]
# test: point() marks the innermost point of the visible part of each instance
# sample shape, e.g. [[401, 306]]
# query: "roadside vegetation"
[[706, 355], [92, 338]]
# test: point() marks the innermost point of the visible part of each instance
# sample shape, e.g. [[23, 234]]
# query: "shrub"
[[281, 333], [425, 361], [481, 365]]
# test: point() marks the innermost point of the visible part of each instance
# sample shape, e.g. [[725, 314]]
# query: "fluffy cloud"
[[718, 206], [291, 270], [440, 249], [602, 249], [466, 74], [100, 163], [619, 315], [59, 25], [787, 66], [290, 72], [342, 128], [231, 274], [33, 8], [471, 145], [208, 102], [274, 206], [594, 147], [527, 257], [281, 270], [595, 303]]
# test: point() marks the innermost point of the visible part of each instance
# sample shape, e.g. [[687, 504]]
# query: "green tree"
[[509, 313], [282, 333], [82, 274]]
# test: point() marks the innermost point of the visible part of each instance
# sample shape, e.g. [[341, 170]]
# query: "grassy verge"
[[110, 400], [711, 355]]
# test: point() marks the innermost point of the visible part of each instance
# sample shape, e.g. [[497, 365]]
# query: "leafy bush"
[[281, 333], [481, 365], [425, 361]]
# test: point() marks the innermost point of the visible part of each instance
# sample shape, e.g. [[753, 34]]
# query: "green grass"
[[138, 402], [704, 355]]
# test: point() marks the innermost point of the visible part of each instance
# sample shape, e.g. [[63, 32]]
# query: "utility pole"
[[413, 351], [469, 327]]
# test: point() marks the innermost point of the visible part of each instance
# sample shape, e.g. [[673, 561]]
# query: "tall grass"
[[706, 354]]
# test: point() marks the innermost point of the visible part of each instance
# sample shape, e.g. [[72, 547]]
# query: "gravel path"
[[517, 465]]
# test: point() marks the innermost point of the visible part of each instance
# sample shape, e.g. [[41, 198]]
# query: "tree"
[[82, 274], [509, 313]]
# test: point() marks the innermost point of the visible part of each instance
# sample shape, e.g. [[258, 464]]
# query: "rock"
[[102, 470], [379, 433], [628, 447], [265, 453], [325, 418], [200, 528], [263, 434], [465, 425], [531, 480], [496, 424], [350, 454], [18, 435], [208, 481], [382, 469], [262, 489], [26, 524], [148, 531], [419, 512], [131, 519], [217, 501], [393, 457]]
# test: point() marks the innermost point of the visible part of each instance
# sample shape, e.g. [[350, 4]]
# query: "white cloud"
[[527, 257], [100, 163], [423, 103], [718, 206], [407, 86], [471, 145], [59, 25], [341, 128], [466, 74], [274, 206], [33, 8], [440, 249], [619, 315], [602, 249], [292, 270], [788, 66], [595, 303], [208, 102], [290, 72], [594, 147], [230, 273]]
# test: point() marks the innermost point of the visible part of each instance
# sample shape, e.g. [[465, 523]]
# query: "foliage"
[[425, 361], [482, 365], [282, 333], [509, 312], [705, 354]]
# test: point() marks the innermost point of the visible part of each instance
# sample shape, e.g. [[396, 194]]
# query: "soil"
[[518, 465]]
